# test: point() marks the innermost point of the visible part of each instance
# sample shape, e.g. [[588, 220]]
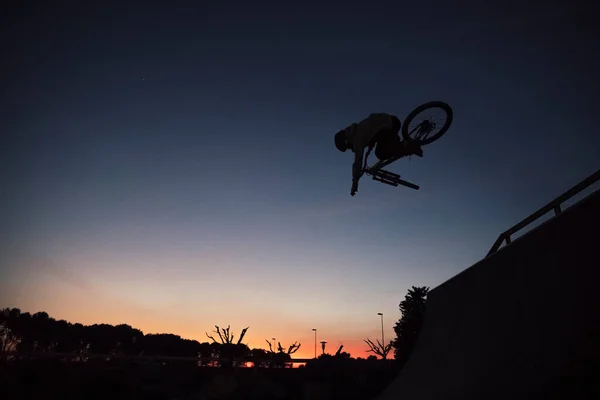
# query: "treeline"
[[38, 332], [26, 333]]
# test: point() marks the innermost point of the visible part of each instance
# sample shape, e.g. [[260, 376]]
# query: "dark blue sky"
[[149, 150]]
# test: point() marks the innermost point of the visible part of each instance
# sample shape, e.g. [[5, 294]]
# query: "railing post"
[[557, 209], [507, 239]]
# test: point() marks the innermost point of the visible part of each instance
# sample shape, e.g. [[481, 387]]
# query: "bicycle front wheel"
[[428, 122]]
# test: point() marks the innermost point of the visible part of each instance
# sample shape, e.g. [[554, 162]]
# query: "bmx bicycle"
[[416, 127]]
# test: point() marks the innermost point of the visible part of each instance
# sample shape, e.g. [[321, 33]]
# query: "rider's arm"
[[357, 166]]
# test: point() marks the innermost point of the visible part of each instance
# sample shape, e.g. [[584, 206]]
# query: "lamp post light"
[[323, 343]]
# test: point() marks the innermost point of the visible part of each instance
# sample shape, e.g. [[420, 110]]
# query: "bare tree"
[[229, 352], [227, 337], [378, 348], [270, 346], [290, 350], [281, 357]]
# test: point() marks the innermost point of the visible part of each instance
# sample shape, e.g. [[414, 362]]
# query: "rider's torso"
[[362, 134]]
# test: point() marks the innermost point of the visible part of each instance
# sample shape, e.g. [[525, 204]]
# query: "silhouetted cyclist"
[[379, 130]]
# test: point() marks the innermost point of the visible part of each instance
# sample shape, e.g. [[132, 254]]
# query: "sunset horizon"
[[253, 338]]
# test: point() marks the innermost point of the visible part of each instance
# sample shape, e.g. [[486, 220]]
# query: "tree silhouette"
[[291, 350], [226, 350], [378, 348], [261, 358], [225, 335], [28, 333], [281, 357], [341, 355], [9, 337], [408, 327], [328, 359], [162, 344]]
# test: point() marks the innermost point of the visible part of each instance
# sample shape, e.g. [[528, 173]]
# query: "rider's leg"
[[388, 141], [388, 146]]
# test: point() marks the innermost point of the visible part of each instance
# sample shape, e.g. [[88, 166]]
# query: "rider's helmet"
[[341, 143]]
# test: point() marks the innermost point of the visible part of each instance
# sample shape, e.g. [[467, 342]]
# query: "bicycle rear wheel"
[[429, 127]]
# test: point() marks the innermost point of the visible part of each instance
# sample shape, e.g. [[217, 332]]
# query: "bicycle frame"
[[423, 128], [379, 164], [384, 176]]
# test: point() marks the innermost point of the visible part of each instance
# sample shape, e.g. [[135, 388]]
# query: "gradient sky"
[[173, 167]]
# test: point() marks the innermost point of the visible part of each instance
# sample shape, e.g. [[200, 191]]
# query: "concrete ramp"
[[523, 323]]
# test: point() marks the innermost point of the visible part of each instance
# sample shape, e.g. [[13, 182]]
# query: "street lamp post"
[[382, 338], [275, 344], [315, 342]]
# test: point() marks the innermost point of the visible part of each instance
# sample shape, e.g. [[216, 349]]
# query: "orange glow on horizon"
[[102, 302]]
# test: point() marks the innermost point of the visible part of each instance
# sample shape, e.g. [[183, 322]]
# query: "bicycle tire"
[[432, 104]]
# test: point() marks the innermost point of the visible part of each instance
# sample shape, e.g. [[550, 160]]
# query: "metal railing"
[[553, 205]]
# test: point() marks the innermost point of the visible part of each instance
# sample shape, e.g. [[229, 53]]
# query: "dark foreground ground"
[[55, 379]]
